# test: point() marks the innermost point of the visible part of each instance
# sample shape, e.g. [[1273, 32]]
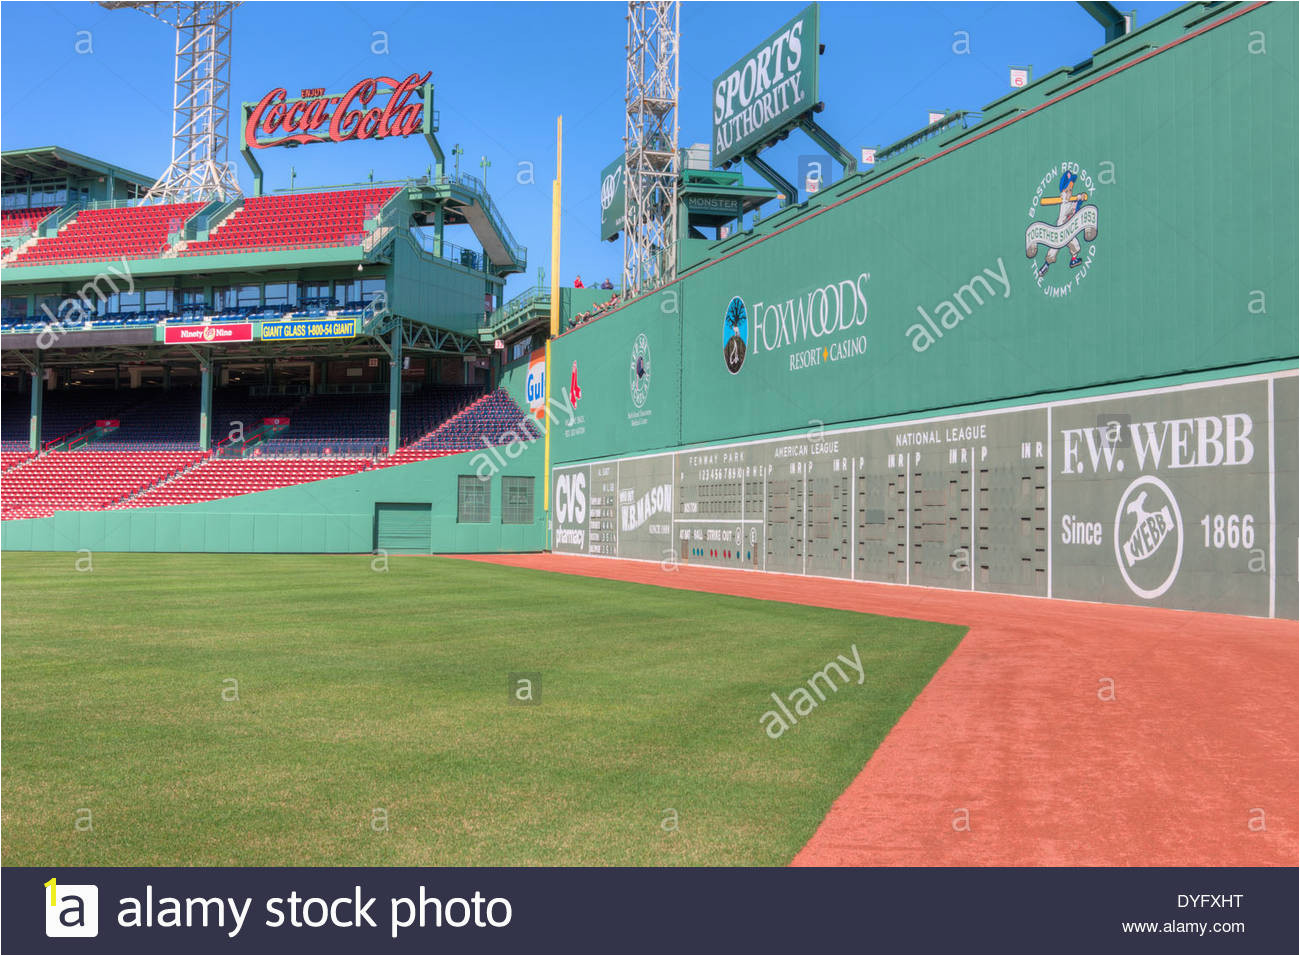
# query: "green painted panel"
[[336, 515], [403, 527], [921, 293], [617, 409], [612, 198]]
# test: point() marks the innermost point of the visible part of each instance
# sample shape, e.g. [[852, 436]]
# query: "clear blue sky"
[[503, 72]]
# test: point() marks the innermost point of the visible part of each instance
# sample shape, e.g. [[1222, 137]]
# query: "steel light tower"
[[650, 212], [199, 168]]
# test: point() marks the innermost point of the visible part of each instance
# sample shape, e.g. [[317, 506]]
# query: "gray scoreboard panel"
[[645, 508], [602, 509], [1286, 428], [975, 490], [1160, 498], [570, 513], [1164, 499], [720, 505]]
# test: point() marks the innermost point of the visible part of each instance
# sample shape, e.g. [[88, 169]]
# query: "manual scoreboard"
[[1174, 497]]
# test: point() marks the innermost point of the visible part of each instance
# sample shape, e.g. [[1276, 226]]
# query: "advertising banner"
[[372, 108], [612, 191], [314, 329], [208, 334], [767, 89], [535, 384]]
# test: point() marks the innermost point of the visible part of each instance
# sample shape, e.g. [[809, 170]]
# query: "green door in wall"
[[403, 528]]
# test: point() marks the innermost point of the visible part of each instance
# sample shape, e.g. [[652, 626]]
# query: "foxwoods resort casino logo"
[[815, 327], [1148, 537], [1064, 191], [735, 335]]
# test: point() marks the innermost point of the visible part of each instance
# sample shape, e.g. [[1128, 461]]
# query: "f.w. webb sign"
[[767, 89]]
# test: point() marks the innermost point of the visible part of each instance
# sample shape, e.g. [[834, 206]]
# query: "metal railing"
[[959, 118], [502, 318], [451, 252], [479, 189]]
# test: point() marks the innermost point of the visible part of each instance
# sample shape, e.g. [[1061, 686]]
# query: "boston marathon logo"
[[639, 370], [1064, 191], [817, 327], [1148, 537]]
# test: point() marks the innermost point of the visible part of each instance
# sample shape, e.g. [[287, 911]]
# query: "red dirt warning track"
[[1196, 752]]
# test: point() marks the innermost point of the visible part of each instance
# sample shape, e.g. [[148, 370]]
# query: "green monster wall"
[[911, 289], [889, 386]]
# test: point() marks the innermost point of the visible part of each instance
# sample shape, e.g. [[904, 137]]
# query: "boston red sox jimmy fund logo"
[[1066, 192]]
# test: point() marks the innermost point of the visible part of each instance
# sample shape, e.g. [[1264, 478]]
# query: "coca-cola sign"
[[362, 112]]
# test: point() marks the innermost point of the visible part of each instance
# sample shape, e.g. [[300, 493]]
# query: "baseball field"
[[344, 710]]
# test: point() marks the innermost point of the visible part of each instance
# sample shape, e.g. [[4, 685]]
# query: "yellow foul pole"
[[555, 300]]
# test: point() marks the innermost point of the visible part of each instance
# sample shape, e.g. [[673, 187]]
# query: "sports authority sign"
[[373, 108], [208, 334], [767, 89]]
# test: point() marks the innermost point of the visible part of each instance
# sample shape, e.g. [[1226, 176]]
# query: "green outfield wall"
[[341, 515], [1052, 354], [915, 291]]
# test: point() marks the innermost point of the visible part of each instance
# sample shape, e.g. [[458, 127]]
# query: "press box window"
[[474, 500], [516, 500]]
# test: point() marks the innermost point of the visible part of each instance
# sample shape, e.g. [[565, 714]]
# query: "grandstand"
[[161, 354]]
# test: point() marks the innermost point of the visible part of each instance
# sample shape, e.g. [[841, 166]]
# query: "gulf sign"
[[767, 90], [535, 384], [315, 117], [208, 334]]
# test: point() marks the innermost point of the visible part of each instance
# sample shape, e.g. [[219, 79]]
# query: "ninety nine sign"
[[317, 329], [766, 90], [316, 118], [208, 334]]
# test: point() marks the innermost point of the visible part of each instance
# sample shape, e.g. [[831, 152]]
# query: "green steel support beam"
[[828, 142], [205, 403], [429, 127], [1112, 21], [38, 397], [438, 225], [775, 179], [395, 388], [248, 155]]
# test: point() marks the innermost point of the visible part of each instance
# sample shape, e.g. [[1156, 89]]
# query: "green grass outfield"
[[361, 690]]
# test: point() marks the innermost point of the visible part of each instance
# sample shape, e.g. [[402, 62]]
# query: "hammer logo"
[[1148, 537]]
